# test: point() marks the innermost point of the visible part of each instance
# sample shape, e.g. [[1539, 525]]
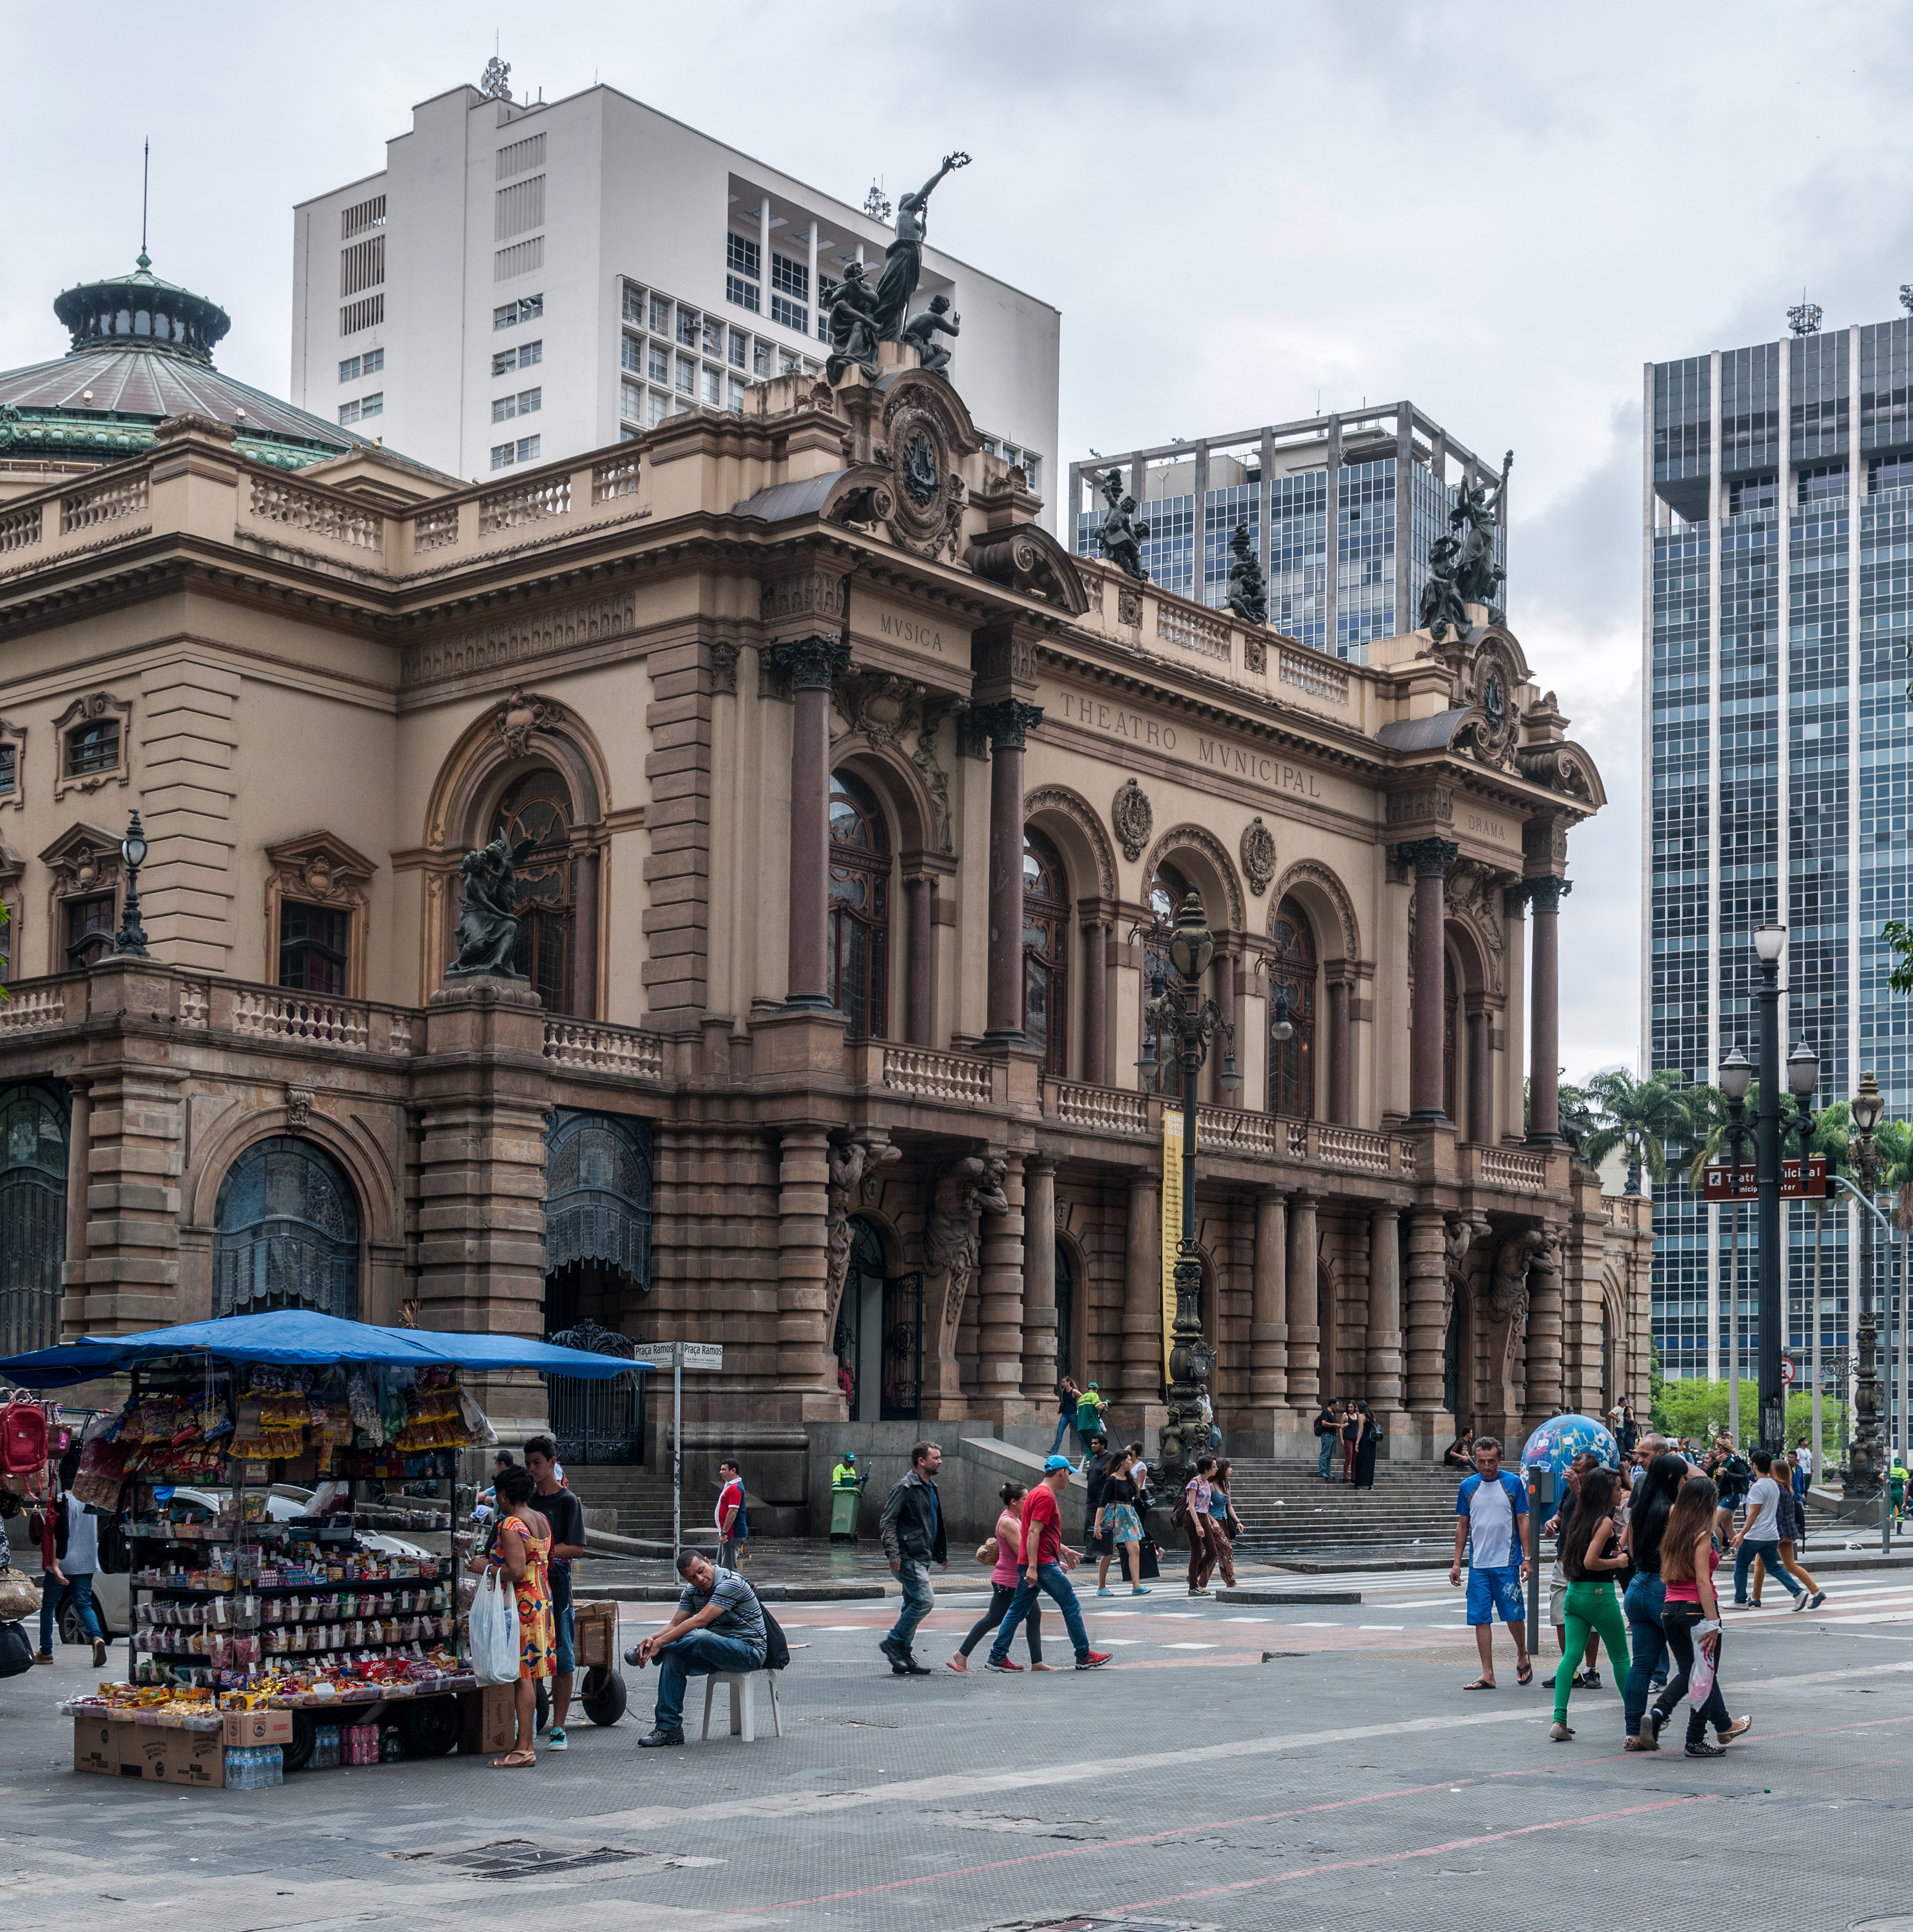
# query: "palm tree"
[[1642, 1116], [1710, 1129]]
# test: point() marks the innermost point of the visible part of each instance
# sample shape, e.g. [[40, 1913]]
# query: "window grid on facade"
[[687, 356]]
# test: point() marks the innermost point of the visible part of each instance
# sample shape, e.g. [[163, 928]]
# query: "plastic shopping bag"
[[494, 1630], [1700, 1679]]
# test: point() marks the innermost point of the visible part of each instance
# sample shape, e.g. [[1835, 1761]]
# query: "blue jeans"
[[1646, 1644], [1062, 1429], [79, 1592], [701, 1654], [1050, 1577], [1330, 1443], [919, 1599], [1743, 1556]]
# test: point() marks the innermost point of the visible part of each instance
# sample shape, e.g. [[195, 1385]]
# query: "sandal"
[[516, 1760], [1525, 1675], [1480, 1684]]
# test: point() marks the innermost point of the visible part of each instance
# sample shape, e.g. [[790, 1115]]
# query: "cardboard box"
[[595, 1635], [115, 1747], [245, 1728], [488, 1724]]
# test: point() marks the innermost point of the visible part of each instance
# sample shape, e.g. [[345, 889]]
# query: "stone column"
[[919, 982], [1480, 1086], [1340, 1060], [1428, 1275], [1384, 1361], [1431, 858], [1000, 1303], [1095, 1061], [803, 1290], [1226, 1003], [73, 1267], [1305, 1305], [585, 937], [1040, 1368], [1268, 1309], [811, 663], [1006, 720], [1142, 1297], [1544, 1105], [1545, 1337]]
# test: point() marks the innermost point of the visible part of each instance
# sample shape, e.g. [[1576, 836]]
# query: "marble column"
[[1427, 1317], [1481, 1084], [1040, 1367], [1544, 1105], [803, 1292], [73, 1267], [1304, 1298], [919, 979], [1095, 1002], [585, 937], [1341, 1070], [1431, 858], [811, 663], [1142, 1297], [1384, 1358], [1006, 720], [1000, 1300], [1268, 1307]]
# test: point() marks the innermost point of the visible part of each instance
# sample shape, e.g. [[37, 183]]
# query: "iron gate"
[[596, 1422], [33, 1215], [903, 1349]]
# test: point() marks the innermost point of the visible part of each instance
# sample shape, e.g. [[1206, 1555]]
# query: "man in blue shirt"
[[1491, 1528]]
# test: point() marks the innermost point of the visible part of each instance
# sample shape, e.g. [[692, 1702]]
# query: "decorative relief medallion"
[[924, 508], [298, 1107], [1258, 855], [1133, 817], [881, 705], [1129, 607], [519, 716]]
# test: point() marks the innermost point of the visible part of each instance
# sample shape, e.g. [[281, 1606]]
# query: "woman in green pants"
[[1591, 1606]]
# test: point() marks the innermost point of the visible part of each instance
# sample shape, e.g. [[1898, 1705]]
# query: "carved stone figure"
[[1248, 593], [965, 1191], [1441, 614], [1459, 1233], [1258, 855], [1474, 518], [1133, 817], [1507, 1291], [853, 337], [850, 1163], [903, 260], [519, 716], [922, 330], [1121, 537], [488, 922]]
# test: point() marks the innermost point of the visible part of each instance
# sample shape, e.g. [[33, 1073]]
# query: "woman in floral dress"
[[523, 1551]]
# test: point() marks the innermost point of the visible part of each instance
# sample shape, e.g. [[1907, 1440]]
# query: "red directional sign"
[[1720, 1181]]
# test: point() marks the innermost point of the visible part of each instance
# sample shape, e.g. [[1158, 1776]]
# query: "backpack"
[[22, 1438], [777, 1651]]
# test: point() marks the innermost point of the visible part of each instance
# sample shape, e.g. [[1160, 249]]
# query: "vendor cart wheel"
[[542, 1706], [298, 1754], [429, 1728], [72, 1630], [603, 1695]]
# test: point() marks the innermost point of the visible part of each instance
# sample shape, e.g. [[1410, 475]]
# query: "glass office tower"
[[1778, 479]]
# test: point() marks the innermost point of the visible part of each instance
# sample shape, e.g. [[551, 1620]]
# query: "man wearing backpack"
[[719, 1626], [1492, 1527]]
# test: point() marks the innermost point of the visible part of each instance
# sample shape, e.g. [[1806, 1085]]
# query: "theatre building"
[[852, 810]]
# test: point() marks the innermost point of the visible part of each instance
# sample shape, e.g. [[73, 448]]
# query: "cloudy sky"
[[1500, 211]]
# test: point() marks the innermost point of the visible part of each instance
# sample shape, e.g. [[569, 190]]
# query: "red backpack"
[[22, 1437]]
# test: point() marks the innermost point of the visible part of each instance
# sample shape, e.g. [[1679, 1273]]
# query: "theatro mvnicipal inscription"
[[1194, 747]]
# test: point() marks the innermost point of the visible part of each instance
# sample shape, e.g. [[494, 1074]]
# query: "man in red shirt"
[[730, 1529], [1044, 1555]]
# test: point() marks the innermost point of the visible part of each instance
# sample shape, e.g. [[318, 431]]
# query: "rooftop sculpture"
[[1248, 592], [1122, 533]]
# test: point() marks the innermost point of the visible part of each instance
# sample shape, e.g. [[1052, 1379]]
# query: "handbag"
[[494, 1630], [19, 1598], [16, 1651], [987, 1552]]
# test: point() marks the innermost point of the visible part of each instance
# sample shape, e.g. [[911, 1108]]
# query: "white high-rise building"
[[522, 281]]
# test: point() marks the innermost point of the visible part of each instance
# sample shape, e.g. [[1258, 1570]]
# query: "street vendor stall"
[[258, 1641]]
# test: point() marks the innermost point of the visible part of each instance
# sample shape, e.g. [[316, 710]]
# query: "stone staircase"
[[1287, 1511], [640, 1497]]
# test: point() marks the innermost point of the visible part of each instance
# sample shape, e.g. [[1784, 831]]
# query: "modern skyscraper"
[[1390, 472], [1778, 481], [524, 281]]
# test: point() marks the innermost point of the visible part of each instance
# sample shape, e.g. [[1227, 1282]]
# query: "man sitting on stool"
[[717, 1626]]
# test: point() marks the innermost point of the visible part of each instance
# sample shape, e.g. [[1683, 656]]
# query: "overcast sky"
[[1500, 212]]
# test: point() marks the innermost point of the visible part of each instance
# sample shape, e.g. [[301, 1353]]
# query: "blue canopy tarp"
[[301, 1337]]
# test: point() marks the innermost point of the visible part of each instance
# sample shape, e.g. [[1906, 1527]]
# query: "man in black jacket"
[[911, 1527]]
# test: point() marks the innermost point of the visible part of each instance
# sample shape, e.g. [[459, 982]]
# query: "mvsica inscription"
[[910, 631]]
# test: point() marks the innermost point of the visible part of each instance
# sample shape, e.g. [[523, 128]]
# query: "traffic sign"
[[691, 1355], [1723, 1182], [1786, 1370]]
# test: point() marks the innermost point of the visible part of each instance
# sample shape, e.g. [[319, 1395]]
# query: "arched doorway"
[[1046, 952], [1167, 890], [1456, 1393], [538, 807], [598, 1185], [1065, 1314], [33, 1215], [1292, 971], [286, 1232], [859, 954]]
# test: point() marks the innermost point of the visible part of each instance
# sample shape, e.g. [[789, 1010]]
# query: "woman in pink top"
[[1691, 1613], [1003, 1578]]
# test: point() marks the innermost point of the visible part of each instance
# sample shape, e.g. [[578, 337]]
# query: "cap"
[[1053, 1463], [1095, 1385], [848, 1455]]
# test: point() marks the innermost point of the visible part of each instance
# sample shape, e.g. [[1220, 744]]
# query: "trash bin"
[[843, 1514]]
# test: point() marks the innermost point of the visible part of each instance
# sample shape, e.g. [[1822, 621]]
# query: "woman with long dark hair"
[[1005, 1576], [1589, 1558], [1641, 1602], [1366, 1444], [1690, 1613]]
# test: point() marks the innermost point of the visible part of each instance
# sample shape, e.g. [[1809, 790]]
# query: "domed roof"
[[143, 352]]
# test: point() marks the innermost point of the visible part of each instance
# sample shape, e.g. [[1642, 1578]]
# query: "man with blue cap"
[[1043, 1556]]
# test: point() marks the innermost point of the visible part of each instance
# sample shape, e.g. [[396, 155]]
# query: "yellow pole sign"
[[1171, 1223]]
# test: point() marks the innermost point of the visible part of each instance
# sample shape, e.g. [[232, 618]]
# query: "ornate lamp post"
[[130, 937], [1193, 1021], [1770, 943], [1865, 1464]]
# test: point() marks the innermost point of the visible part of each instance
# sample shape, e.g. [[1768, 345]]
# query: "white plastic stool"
[[742, 1685]]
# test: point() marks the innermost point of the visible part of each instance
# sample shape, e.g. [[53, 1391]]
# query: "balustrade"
[[1114, 1110], [604, 1048], [938, 1076]]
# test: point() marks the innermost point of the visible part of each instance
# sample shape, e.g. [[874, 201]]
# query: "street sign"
[[1720, 1180], [677, 1357], [692, 1355], [1787, 1371]]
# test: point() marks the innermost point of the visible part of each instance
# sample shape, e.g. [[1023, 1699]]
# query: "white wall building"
[[522, 282]]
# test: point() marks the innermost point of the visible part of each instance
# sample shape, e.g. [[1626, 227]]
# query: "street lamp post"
[[131, 937], [1770, 943], [1193, 1021], [1864, 1465]]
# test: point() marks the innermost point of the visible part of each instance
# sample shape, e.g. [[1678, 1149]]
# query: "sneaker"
[[1642, 1741], [1560, 1734], [1547, 1684], [910, 1667], [1703, 1749], [891, 1648], [1803, 1599], [1588, 1680], [991, 1664], [1105, 1591], [1819, 1597], [1739, 1728], [1094, 1661], [42, 1657], [99, 1653], [1141, 1590], [1202, 1593], [1656, 1722], [656, 1740], [631, 1658], [555, 1738]]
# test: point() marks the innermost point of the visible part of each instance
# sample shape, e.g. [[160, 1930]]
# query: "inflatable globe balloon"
[[1562, 1438]]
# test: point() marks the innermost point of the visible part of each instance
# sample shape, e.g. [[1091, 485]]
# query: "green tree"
[[1709, 1122], [1642, 1116], [1699, 1409]]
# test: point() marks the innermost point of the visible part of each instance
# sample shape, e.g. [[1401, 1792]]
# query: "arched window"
[[538, 807], [1167, 890], [1292, 970], [33, 1215], [1046, 952], [286, 1233], [860, 907]]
